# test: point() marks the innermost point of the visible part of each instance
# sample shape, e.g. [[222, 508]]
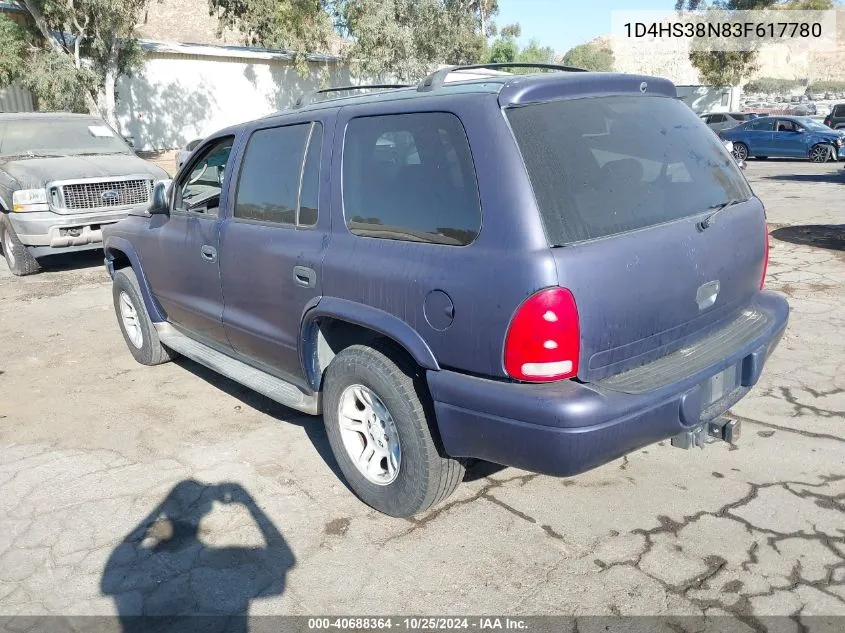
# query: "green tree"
[[298, 26], [730, 68], [73, 53], [398, 39], [505, 48], [406, 39], [590, 56]]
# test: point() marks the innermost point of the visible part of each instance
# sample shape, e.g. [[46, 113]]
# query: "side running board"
[[274, 388]]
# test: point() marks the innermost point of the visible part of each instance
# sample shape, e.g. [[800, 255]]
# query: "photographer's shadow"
[[163, 577]]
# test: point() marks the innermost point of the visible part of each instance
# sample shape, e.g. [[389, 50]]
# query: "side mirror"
[[159, 204]]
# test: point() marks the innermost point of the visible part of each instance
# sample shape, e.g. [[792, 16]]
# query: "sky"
[[563, 24]]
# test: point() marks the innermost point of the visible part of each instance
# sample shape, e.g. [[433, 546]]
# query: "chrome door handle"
[[304, 276], [209, 253]]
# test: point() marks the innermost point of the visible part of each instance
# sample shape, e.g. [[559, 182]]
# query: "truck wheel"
[[20, 260], [138, 330], [380, 425]]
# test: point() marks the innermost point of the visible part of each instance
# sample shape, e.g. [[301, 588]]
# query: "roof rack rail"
[[309, 97], [436, 79]]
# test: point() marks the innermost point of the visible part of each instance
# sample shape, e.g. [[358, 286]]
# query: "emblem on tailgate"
[[706, 294]]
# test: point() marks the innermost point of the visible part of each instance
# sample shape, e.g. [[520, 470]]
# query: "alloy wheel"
[[131, 322], [369, 435]]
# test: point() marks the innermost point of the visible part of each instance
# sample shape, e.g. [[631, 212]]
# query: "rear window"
[[740, 116], [410, 177], [608, 165]]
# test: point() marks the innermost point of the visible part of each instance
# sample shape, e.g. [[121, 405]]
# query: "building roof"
[[10, 116], [222, 50]]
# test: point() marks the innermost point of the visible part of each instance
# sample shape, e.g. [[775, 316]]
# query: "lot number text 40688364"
[[418, 623]]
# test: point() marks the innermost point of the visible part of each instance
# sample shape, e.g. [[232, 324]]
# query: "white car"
[[184, 154]]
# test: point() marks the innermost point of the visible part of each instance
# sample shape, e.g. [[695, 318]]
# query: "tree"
[[298, 26], [505, 48], [398, 39], [730, 68], [406, 39], [71, 56], [590, 56]]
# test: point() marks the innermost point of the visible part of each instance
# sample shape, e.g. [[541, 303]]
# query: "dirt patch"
[[165, 159]]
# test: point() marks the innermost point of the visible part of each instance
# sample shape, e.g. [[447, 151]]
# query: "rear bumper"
[[567, 427]]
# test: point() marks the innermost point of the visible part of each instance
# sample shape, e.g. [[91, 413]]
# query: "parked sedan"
[[718, 121], [786, 137]]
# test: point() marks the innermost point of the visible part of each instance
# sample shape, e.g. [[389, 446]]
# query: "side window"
[[718, 118], [786, 126], [410, 177], [271, 173], [199, 191], [762, 126], [838, 111]]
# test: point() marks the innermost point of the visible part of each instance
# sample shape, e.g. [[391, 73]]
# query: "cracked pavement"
[[111, 473]]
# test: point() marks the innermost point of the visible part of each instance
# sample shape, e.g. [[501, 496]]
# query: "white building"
[[187, 91]]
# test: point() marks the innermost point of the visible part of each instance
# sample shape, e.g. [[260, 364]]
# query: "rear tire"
[[17, 255], [135, 324], [423, 474], [740, 151]]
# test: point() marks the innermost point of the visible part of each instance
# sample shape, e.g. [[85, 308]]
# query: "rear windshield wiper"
[[707, 222]]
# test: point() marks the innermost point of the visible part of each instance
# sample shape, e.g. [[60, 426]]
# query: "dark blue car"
[[786, 137], [546, 271]]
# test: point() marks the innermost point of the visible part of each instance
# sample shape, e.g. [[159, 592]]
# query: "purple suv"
[[545, 271]]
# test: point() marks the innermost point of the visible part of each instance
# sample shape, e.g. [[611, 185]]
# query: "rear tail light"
[[765, 259], [544, 338]]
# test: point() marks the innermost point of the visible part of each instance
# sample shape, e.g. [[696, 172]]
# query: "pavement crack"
[[509, 508], [787, 429], [483, 493]]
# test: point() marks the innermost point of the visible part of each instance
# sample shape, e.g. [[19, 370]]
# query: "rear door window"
[[410, 177], [609, 165], [762, 125]]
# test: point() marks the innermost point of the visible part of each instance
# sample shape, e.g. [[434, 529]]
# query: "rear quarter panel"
[[486, 280]]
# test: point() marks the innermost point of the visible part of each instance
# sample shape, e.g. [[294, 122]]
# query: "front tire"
[[382, 431], [740, 151], [17, 255], [135, 324], [820, 153]]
